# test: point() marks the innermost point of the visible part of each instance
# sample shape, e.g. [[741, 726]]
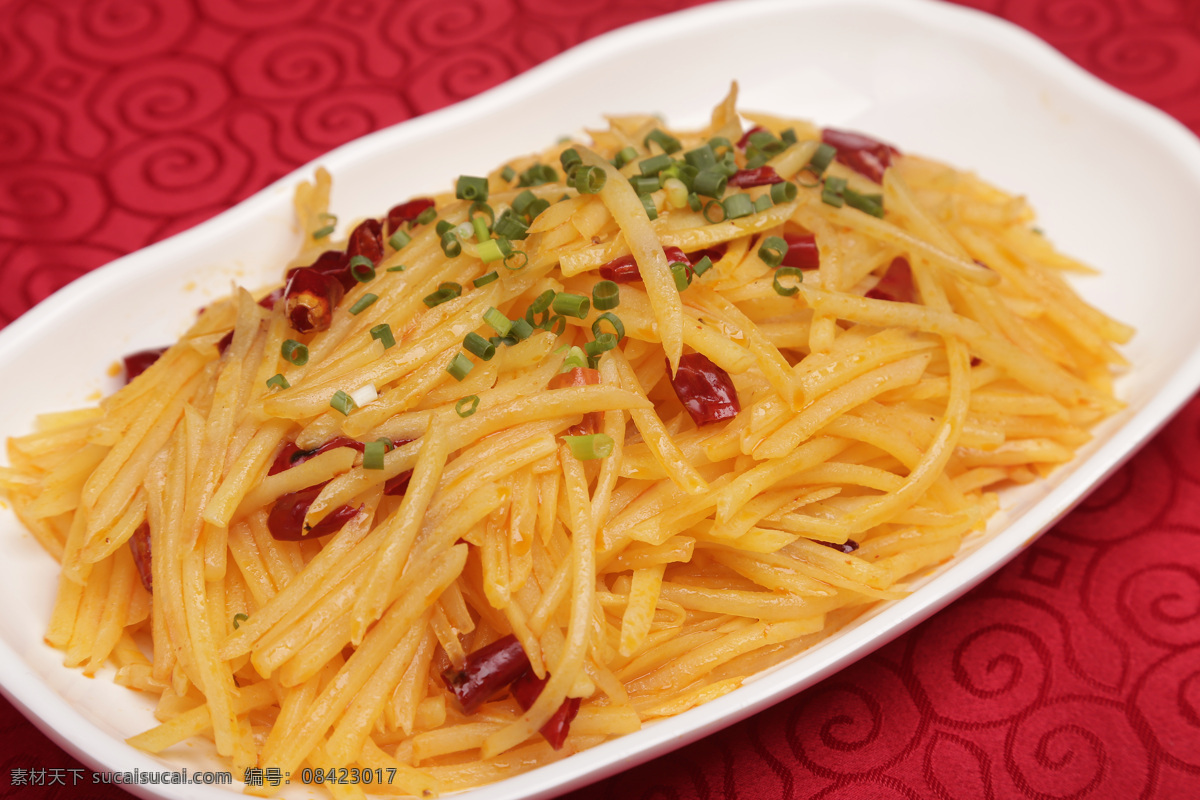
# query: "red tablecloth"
[[1073, 673]]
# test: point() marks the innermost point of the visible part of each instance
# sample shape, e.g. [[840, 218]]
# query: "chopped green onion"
[[624, 156], [679, 271], [773, 250], [648, 204], [821, 159], [362, 268], [399, 239], [446, 291], [425, 217], [543, 301], [596, 445], [294, 352], [537, 175], [459, 366], [451, 246], [710, 183], [720, 143], [832, 193], [702, 157], [510, 226], [694, 202], [867, 203], [484, 280], [471, 188], [685, 173], [762, 203], [322, 232], [655, 164], [556, 324], [383, 332], [479, 346], [573, 305], [482, 233], [677, 192], [373, 453], [728, 164], [761, 139], [278, 381], [397, 268], [500, 323], [363, 303], [791, 272], [508, 173], [521, 329], [788, 136], [606, 295], [644, 185], [342, 402], [507, 341], [613, 320], [493, 250], [466, 406], [589, 180], [570, 160], [518, 263], [702, 266], [539, 205], [738, 205], [710, 207], [575, 358], [238, 619], [443, 227], [602, 344], [666, 141], [521, 202], [783, 192]]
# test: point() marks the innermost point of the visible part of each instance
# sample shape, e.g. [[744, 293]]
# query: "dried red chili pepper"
[[291, 455], [226, 340], [897, 283], [705, 389], [269, 301], [864, 155], [625, 269], [286, 520], [527, 689], [714, 253], [407, 212], [802, 251], [761, 176], [581, 376], [335, 264], [486, 671], [366, 240], [849, 546], [311, 297], [139, 546], [139, 362]]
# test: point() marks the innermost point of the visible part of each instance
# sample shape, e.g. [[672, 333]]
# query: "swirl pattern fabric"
[[1073, 673]]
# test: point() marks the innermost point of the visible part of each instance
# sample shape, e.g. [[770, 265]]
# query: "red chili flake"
[[407, 212], [291, 455], [398, 485], [366, 240], [581, 376], [139, 546], [802, 251], [486, 671], [311, 297], [742, 142], [527, 689], [286, 520], [897, 283], [139, 362], [864, 155], [761, 176], [625, 269], [705, 389], [849, 546], [714, 253]]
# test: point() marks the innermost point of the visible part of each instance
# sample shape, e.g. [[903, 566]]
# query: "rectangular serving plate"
[[1114, 181]]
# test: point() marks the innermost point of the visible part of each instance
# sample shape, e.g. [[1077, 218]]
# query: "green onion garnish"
[[399, 239], [570, 160], [294, 352], [539, 205], [443, 227], [772, 251], [679, 272], [277, 381], [484, 280], [459, 366], [686, 174], [537, 175], [508, 173], [867, 203], [606, 295], [788, 136], [482, 232], [710, 211], [575, 359], [762, 203], [471, 188], [522, 201], [702, 266], [694, 201], [832, 193], [783, 192], [373, 453], [451, 246], [510, 226], [518, 259], [791, 272], [342, 402], [446, 291], [728, 164], [720, 143], [602, 344], [362, 268], [821, 159], [329, 227], [556, 324], [648, 204], [521, 329], [238, 619], [466, 406], [493, 250], [644, 185], [710, 183], [596, 445], [589, 180], [363, 303], [397, 268], [613, 320], [737, 205], [383, 332], [543, 301], [500, 323], [479, 346], [624, 156], [702, 157], [573, 305], [655, 164], [425, 217], [666, 141]]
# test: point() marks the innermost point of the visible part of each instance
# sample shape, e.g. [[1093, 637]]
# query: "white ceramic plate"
[[1116, 182]]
